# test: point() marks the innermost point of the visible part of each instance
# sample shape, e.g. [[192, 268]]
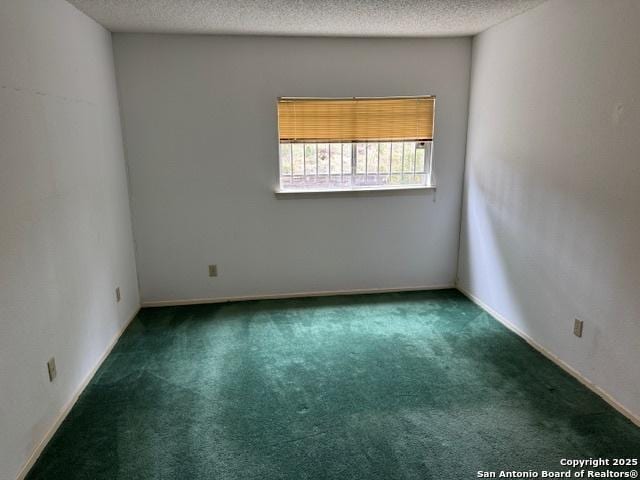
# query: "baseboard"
[[69, 405], [500, 318], [555, 359], [275, 296]]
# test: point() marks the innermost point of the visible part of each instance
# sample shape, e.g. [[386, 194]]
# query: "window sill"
[[367, 190]]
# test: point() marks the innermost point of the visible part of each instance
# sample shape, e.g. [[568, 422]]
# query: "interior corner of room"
[[137, 172]]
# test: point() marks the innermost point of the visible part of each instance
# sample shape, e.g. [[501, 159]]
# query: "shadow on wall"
[[540, 267], [486, 247]]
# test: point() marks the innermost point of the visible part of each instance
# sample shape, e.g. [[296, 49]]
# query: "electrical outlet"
[[213, 270], [577, 327], [51, 367], [117, 294]]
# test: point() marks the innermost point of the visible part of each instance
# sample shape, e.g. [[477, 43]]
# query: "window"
[[355, 143]]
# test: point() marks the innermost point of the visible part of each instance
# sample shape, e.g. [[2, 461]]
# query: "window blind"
[[326, 120]]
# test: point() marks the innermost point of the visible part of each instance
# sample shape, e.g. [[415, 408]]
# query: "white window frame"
[[353, 186]]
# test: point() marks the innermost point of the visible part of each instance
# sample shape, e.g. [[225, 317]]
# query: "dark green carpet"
[[420, 385]]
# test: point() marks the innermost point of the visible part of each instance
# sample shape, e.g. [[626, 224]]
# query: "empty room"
[[296, 239]]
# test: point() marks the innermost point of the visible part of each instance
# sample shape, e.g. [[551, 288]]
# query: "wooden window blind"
[[325, 120]]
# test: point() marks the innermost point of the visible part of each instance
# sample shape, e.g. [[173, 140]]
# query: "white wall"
[[65, 228], [551, 222], [201, 138]]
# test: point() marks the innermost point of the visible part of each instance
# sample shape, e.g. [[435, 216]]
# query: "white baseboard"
[[274, 296], [37, 451], [554, 358], [570, 370]]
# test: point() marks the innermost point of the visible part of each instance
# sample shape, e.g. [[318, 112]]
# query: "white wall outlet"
[[577, 327], [118, 294], [51, 367], [213, 270]]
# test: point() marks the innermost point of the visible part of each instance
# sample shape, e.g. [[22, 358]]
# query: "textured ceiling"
[[380, 18]]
